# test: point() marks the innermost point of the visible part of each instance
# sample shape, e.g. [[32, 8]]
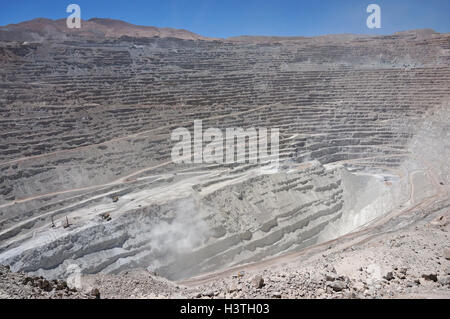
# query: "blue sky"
[[224, 18]]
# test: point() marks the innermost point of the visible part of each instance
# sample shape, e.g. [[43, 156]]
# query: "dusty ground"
[[413, 262], [23, 286]]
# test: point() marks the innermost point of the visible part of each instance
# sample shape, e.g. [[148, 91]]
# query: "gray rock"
[[96, 293], [331, 277], [331, 268], [444, 280], [258, 282], [208, 293], [430, 277], [351, 295], [276, 294], [358, 286], [389, 276], [337, 285], [232, 288], [45, 285], [447, 253]]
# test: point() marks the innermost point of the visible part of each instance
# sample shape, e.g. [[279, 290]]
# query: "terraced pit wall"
[[84, 121]]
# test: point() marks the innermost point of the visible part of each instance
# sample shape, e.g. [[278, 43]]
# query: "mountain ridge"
[[39, 29], [43, 28]]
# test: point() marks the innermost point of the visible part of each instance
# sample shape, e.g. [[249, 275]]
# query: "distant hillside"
[[419, 33], [40, 29]]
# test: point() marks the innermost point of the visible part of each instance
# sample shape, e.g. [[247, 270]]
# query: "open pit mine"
[[87, 179]]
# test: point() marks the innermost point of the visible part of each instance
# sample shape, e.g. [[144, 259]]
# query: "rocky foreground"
[[24, 286], [411, 263]]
